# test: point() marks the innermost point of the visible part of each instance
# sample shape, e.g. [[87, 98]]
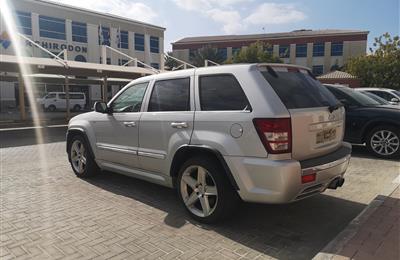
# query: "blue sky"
[[184, 18]]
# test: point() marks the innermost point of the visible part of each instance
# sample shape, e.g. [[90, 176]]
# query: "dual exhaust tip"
[[337, 182]]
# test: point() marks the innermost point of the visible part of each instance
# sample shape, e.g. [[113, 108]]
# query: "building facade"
[[82, 33], [321, 50]]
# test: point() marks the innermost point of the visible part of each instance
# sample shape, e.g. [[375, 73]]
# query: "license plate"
[[326, 135]]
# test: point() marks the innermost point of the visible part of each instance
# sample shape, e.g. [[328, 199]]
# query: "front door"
[[167, 124], [117, 132]]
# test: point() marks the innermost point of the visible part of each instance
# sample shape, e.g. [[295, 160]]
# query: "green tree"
[[207, 53], [381, 68], [170, 63], [255, 53]]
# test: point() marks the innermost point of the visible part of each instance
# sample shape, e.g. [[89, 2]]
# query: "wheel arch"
[[374, 123], [78, 131], [188, 151]]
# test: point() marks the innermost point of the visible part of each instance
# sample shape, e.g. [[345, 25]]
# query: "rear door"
[[167, 124], [317, 120]]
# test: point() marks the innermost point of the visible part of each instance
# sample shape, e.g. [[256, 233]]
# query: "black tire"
[[77, 108], [91, 168], [51, 108], [395, 134], [228, 198]]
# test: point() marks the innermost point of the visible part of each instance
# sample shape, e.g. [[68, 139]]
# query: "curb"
[[337, 244]]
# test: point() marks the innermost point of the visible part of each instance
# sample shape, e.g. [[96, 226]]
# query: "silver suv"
[[268, 133]]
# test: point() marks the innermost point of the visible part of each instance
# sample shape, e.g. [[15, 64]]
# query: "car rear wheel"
[[384, 142], [205, 191], [52, 108], [82, 161], [77, 108]]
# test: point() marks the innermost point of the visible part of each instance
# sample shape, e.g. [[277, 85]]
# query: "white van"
[[56, 100]]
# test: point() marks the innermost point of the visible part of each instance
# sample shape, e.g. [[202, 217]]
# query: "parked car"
[[267, 133], [370, 122], [378, 99], [390, 95], [53, 101]]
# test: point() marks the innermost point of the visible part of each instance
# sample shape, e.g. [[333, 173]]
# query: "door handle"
[[179, 125], [129, 124]]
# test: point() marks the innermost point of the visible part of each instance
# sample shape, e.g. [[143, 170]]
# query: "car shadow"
[[298, 230], [361, 151], [22, 137]]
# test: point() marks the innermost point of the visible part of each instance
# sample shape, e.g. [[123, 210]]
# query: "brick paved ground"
[[378, 237], [52, 214]]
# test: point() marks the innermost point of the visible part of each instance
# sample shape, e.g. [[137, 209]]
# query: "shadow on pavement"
[[293, 231], [361, 151], [15, 138]]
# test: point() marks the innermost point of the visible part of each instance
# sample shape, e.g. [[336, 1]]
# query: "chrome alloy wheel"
[[385, 142], [78, 156], [199, 191]]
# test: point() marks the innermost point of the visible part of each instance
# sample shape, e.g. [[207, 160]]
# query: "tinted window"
[[337, 49], [24, 22], [130, 100], [139, 42], [154, 44], [75, 96], [222, 92], [318, 70], [51, 27], [79, 32], [52, 95], [170, 95], [355, 97], [123, 41], [383, 95], [298, 89], [318, 49], [301, 50]]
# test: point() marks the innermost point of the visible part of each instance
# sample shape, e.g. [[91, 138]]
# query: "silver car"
[[266, 133]]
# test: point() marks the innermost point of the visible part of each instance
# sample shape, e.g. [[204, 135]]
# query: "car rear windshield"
[[297, 88]]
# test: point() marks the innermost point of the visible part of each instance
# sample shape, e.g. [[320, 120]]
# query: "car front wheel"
[[205, 190], [82, 161], [384, 142]]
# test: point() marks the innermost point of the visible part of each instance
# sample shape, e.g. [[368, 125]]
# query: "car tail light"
[[275, 134]]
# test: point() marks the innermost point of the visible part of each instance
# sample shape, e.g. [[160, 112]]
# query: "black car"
[[369, 122]]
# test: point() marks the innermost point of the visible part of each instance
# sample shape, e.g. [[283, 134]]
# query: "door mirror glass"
[[395, 100], [100, 107], [345, 102]]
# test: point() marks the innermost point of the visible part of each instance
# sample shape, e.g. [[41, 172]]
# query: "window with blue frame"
[[51, 27], [104, 36], [155, 65], [235, 50], [123, 40], [139, 42], [337, 49], [24, 24], [223, 52], [301, 50], [318, 70], [79, 32], [318, 49], [154, 44], [284, 51]]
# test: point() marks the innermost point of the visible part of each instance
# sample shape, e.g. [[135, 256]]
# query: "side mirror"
[[101, 107], [345, 103], [395, 100]]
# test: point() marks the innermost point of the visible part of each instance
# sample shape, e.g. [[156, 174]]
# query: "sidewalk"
[[374, 234]]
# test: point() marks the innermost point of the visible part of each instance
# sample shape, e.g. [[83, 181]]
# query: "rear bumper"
[[267, 181]]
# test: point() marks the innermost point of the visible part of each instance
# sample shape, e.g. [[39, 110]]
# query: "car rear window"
[[297, 88]]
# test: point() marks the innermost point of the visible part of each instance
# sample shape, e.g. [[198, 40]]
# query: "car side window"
[[222, 92], [130, 100], [383, 95], [342, 96], [170, 95], [52, 95]]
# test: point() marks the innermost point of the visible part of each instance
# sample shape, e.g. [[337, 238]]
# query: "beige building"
[[57, 27], [321, 50]]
